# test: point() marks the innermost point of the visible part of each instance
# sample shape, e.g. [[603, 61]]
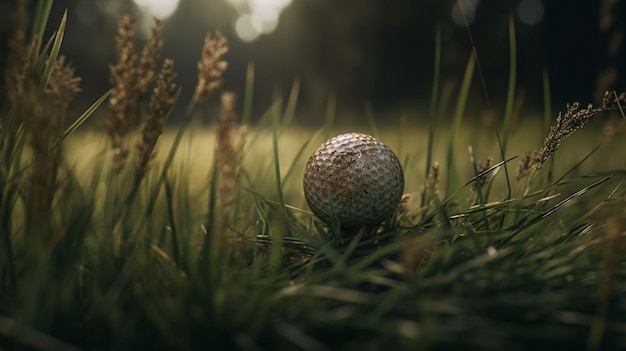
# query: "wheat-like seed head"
[[161, 103], [211, 67]]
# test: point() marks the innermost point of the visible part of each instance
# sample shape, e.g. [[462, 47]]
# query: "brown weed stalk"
[[149, 59], [211, 66], [432, 183], [130, 77], [574, 118], [481, 181], [17, 54], [44, 120], [161, 103], [123, 102], [229, 142]]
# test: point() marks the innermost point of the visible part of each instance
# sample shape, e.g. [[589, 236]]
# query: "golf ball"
[[354, 180]]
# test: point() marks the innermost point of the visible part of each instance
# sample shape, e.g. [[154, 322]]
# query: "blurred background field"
[[408, 139]]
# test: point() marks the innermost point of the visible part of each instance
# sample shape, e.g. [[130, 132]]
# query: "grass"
[[212, 245]]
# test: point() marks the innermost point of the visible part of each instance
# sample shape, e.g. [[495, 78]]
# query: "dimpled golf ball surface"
[[355, 179]]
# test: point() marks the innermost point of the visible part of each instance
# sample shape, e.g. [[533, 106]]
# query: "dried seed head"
[[124, 102], [211, 67], [574, 118], [161, 103], [149, 58], [355, 180]]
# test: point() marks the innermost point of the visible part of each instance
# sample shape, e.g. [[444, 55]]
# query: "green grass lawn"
[[455, 276]]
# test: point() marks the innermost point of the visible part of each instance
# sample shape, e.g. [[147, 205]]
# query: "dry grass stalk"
[[123, 102], [61, 89], [211, 67], [149, 59], [432, 183], [161, 103], [402, 216], [482, 180], [131, 77], [230, 140], [17, 54], [44, 119], [575, 117]]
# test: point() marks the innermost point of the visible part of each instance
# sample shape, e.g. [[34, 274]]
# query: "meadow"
[[135, 233]]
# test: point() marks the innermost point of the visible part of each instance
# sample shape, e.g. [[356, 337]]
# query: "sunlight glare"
[[161, 9], [257, 17], [245, 29]]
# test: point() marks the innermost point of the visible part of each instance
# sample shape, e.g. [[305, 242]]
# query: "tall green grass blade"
[[40, 20], [574, 196], [177, 139], [584, 159], [207, 258], [433, 116], [294, 163], [510, 103], [54, 52], [456, 122], [290, 109], [510, 94], [277, 236], [584, 219], [85, 115], [547, 213], [169, 201], [479, 187]]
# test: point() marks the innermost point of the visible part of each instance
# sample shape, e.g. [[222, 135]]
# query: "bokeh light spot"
[[530, 12], [265, 21], [466, 6], [257, 17], [245, 29], [160, 9]]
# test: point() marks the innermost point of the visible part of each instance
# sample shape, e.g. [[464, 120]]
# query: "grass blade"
[[433, 115], [458, 117], [54, 51], [40, 20], [290, 109], [277, 246], [85, 116], [510, 95]]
